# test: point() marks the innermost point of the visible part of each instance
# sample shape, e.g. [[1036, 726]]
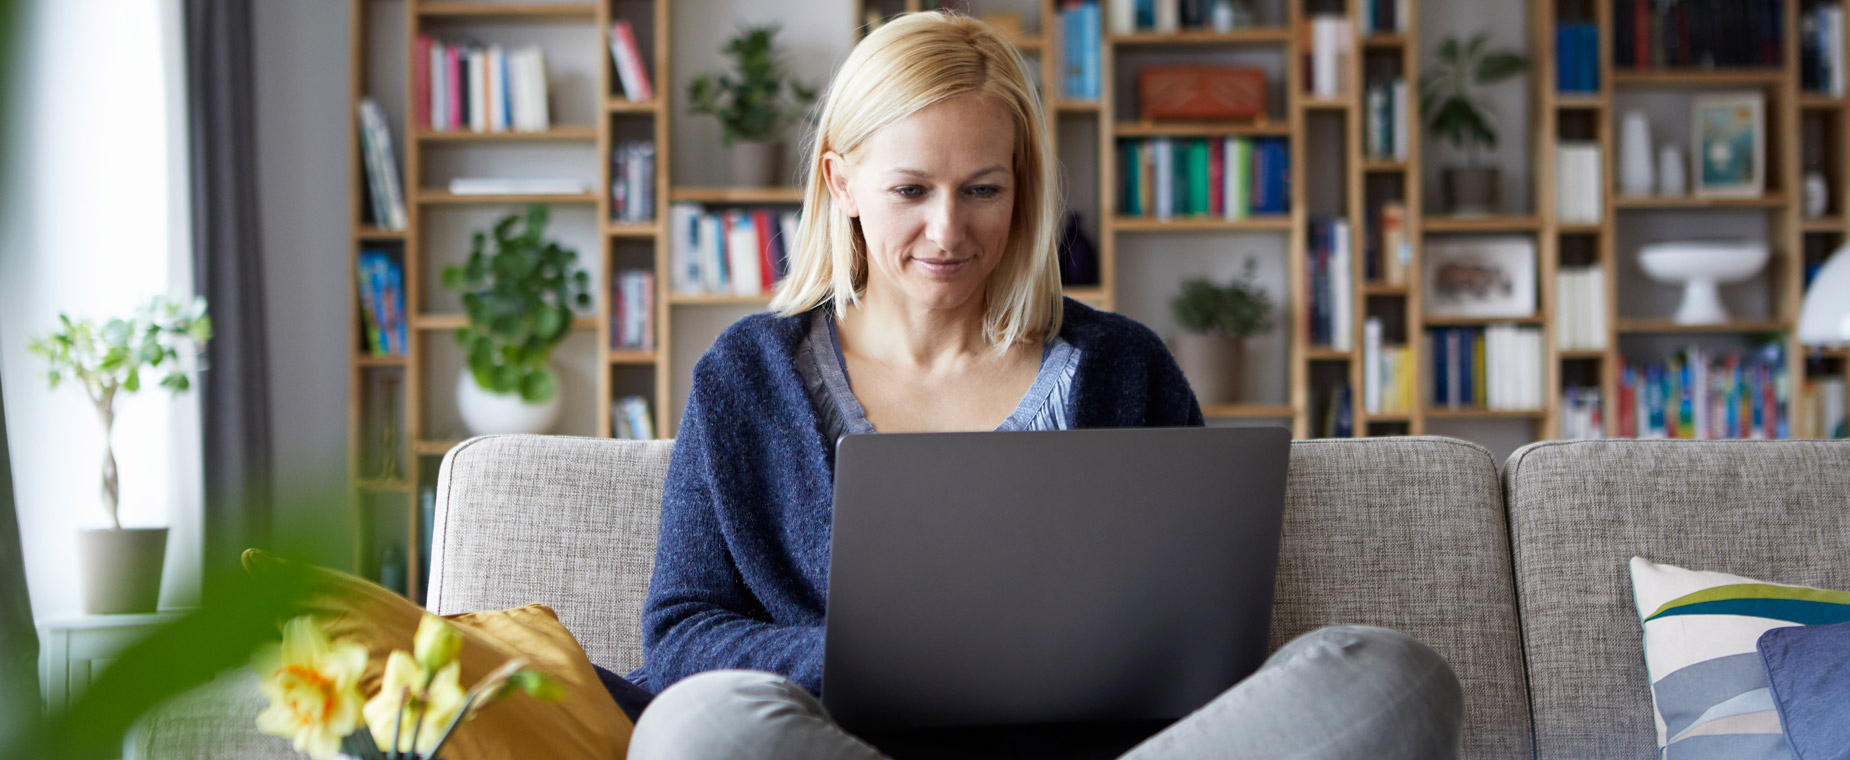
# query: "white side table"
[[74, 650]]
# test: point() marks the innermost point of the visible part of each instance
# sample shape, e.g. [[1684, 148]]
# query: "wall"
[[94, 222]]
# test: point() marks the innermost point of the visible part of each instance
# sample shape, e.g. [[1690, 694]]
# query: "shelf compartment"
[[1486, 223], [476, 10], [736, 195], [1185, 224], [1201, 129], [1253, 36], [570, 132], [445, 197], [1665, 78], [1646, 325], [1246, 410], [458, 321], [1622, 202]]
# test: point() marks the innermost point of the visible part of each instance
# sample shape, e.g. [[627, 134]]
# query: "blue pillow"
[[1809, 671]]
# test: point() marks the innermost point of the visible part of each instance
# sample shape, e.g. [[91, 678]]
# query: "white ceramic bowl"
[[1701, 267]]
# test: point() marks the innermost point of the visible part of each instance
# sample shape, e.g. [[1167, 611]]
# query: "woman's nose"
[[944, 223]]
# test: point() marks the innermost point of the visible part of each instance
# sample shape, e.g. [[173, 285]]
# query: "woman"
[[924, 296]]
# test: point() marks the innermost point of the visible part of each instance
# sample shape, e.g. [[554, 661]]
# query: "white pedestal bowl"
[[1702, 267]]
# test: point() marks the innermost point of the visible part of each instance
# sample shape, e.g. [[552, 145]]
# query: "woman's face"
[[935, 193]]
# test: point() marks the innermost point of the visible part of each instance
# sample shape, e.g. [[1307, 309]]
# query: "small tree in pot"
[[518, 298], [754, 108], [122, 568], [1217, 320], [1457, 114]]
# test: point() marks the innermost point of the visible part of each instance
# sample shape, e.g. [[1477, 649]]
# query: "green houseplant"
[[754, 104], [1216, 320], [122, 567], [518, 295], [1457, 113]]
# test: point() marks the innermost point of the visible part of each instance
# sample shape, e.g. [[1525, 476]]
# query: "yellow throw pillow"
[[586, 724]]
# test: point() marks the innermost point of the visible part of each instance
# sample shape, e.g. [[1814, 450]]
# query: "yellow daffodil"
[[407, 706], [436, 644], [313, 687]]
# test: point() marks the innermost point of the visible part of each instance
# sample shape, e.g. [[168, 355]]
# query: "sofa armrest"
[[216, 721]]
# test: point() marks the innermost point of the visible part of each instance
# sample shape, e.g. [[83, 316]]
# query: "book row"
[[1081, 40], [1332, 301], [1824, 402], [1821, 49], [1576, 57], [1580, 309], [731, 252], [385, 198], [1388, 254], [1327, 55], [1170, 16], [1387, 373], [465, 85], [1229, 178], [1704, 394], [626, 57], [1494, 367], [381, 275], [1385, 122], [1579, 183], [632, 310], [630, 418], [1651, 34], [632, 182], [1582, 415]]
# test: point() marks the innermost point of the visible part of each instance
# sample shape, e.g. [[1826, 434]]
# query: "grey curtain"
[[228, 271], [19, 641]]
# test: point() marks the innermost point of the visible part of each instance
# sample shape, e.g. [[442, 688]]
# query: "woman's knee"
[[717, 713]]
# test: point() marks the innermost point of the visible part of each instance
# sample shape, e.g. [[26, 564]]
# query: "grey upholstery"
[[1409, 534], [1771, 510]]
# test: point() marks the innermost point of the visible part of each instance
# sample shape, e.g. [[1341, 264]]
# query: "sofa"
[[1517, 575]]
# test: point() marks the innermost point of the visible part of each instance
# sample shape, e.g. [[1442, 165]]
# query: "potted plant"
[[121, 567], [754, 105], [1216, 321], [1458, 114], [518, 297]]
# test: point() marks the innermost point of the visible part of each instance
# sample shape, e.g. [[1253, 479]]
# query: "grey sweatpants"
[[1338, 692]]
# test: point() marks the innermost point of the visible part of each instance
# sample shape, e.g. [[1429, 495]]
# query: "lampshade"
[[1824, 317]]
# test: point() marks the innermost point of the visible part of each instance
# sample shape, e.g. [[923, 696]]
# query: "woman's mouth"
[[943, 267]]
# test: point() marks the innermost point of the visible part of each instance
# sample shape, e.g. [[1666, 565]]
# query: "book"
[[381, 164], [627, 58]]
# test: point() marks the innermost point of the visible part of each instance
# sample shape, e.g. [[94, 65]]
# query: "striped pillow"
[[1707, 683]]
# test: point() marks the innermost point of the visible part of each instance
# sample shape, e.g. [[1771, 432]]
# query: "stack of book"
[[1698, 33], [1580, 310], [1081, 39], [632, 182], [1578, 183], [1576, 56], [626, 57], [1581, 415], [382, 301], [1227, 178], [630, 418], [1384, 116], [469, 86], [1494, 367], [632, 310], [385, 199], [1703, 394], [1389, 253], [1385, 16], [1824, 404], [1338, 420], [1330, 45], [1387, 373], [1332, 298], [733, 252], [1821, 49], [1171, 16]]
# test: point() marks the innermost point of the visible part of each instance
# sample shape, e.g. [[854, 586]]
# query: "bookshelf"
[[399, 398]]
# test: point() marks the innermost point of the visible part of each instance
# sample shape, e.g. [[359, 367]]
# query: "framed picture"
[[1479, 277], [1729, 132]]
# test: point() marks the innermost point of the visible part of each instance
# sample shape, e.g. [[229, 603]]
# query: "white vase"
[[1635, 157], [1672, 180], [488, 413]]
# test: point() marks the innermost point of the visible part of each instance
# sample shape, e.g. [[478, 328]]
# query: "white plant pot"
[[486, 413]]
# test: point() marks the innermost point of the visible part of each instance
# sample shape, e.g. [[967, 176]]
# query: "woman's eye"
[[908, 191], [986, 191]]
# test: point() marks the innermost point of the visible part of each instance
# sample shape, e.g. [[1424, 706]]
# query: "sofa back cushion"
[[1409, 533], [1579, 510], [565, 522]]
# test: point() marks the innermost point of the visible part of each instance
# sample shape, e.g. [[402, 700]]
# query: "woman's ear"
[[835, 176]]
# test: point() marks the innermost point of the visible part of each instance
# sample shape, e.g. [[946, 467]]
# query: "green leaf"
[[538, 386], [132, 383], [507, 379], [1497, 67], [454, 278], [550, 323]]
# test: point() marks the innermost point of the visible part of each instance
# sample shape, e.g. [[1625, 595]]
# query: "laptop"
[[1064, 577]]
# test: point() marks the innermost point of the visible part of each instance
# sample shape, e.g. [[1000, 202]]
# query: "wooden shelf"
[[633, 230], [506, 12], [377, 233], [1201, 129], [625, 105], [1246, 410], [1486, 223], [1338, 103], [1581, 101], [1076, 106], [736, 195], [1622, 202], [1473, 321], [1387, 417], [1383, 165], [1813, 101], [1187, 224], [458, 321], [377, 485], [1087, 293], [1823, 224], [1254, 36], [561, 133], [368, 360], [1636, 325], [684, 299], [632, 357], [1677, 78], [1027, 44], [1485, 414], [1325, 353], [1582, 354], [1580, 229], [1384, 40], [434, 196], [1384, 289]]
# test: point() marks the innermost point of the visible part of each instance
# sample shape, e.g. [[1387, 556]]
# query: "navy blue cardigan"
[[742, 566]]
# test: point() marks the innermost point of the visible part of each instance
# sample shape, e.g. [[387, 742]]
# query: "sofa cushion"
[[1579, 510], [1409, 533], [1808, 669], [562, 521]]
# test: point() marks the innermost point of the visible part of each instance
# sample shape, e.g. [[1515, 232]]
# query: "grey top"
[[825, 378]]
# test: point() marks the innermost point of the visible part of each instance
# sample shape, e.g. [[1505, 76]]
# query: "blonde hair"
[[909, 63]]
